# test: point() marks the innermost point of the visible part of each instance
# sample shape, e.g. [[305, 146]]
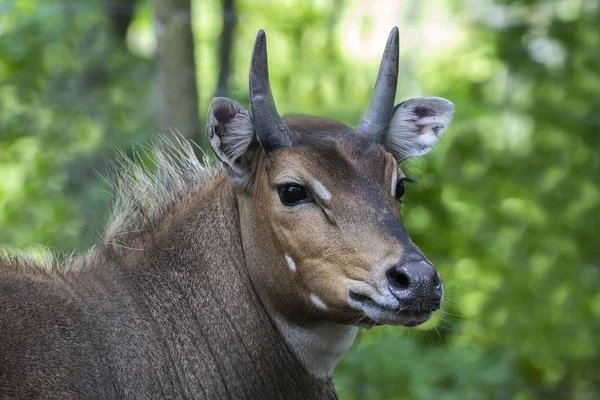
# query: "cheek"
[[302, 232], [323, 265], [312, 250], [324, 287]]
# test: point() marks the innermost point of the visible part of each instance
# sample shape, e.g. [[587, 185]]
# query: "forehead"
[[334, 148]]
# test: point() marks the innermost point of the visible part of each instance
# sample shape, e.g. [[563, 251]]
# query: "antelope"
[[244, 278]]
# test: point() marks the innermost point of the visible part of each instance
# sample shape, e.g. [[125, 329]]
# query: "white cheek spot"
[[321, 191], [318, 302], [394, 182], [290, 262]]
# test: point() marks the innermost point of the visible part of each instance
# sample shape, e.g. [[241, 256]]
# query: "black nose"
[[416, 284]]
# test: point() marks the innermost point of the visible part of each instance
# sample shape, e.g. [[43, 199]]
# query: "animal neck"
[[199, 290], [318, 344]]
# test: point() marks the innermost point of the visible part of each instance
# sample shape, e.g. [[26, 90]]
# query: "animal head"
[[319, 201]]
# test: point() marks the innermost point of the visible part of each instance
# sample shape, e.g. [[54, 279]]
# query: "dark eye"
[[399, 189], [292, 194]]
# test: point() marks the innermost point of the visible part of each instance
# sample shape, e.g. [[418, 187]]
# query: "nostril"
[[398, 278], [437, 283], [437, 287]]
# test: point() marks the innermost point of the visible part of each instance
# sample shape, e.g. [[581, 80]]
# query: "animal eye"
[[292, 194], [400, 188]]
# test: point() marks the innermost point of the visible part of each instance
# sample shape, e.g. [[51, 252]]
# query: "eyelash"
[[400, 186]]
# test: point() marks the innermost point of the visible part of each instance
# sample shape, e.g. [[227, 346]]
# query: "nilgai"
[[247, 279]]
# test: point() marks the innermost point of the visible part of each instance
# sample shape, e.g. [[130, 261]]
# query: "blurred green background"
[[507, 206]]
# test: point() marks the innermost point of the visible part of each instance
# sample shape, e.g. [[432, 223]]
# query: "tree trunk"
[[177, 103], [229, 24]]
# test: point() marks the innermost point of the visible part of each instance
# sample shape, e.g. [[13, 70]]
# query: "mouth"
[[390, 314]]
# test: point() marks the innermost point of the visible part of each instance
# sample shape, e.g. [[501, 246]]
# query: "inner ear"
[[417, 126], [230, 133]]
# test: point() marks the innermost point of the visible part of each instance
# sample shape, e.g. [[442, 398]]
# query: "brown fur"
[[190, 295], [358, 173], [177, 319]]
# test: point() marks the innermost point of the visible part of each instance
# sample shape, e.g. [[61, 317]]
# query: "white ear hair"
[[417, 126], [230, 132]]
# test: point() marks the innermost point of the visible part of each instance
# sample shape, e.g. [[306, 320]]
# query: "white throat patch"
[[318, 347]]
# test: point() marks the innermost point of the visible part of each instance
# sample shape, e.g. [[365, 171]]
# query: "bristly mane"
[[144, 196]]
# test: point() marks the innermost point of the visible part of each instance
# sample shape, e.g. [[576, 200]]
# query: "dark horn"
[[377, 119], [270, 129]]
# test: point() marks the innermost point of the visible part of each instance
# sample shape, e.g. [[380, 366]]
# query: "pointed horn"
[[377, 119], [270, 129]]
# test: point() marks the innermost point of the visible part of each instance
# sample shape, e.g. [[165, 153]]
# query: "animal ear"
[[230, 133], [417, 126]]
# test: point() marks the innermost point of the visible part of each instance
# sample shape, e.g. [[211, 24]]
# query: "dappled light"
[[507, 206]]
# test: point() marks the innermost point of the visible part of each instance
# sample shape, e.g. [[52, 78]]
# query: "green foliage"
[[510, 211], [508, 206], [69, 91]]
